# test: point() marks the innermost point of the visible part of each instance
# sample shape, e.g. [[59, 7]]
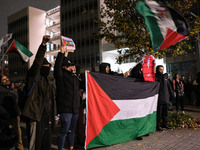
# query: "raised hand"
[[45, 39]]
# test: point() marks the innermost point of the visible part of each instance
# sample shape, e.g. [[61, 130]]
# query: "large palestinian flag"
[[166, 25], [118, 109]]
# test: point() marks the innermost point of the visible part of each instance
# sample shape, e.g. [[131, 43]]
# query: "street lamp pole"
[[2, 62], [197, 45]]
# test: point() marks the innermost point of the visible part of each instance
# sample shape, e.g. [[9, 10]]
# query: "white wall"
[[110, 57], [37, 30]]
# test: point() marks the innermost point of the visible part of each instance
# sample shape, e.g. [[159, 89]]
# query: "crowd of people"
[[39, 101]]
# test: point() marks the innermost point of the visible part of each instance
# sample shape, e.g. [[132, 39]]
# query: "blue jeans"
[[68, 125]]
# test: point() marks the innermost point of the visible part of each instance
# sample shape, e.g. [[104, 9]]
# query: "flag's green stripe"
[[69, 45], [23, 49], [124, 130], [152, 25]]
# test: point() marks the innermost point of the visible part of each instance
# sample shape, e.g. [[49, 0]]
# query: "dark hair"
[[136, 72], [102, 67], [157, 68], [175, 76]]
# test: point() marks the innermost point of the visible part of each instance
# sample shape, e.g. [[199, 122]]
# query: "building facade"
[[53, 29], [187, 66], [28, 28], [78, 21]]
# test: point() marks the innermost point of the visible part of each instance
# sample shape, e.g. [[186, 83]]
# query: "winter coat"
[[67, 88], [165, 90], [8, 102], [39, 97]]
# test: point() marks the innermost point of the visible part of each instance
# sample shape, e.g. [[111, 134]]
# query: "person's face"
[[161, 70], [107, 69], [4, 80], [16, 85], [8, 82], [13, 85], [177, 76]]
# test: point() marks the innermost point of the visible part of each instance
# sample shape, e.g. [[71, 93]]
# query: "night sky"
[[8, 7]]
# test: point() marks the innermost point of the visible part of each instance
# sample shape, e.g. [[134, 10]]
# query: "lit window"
[[52, 58], [51, 22], [47, 32], [47, 47], [51, 35], [52, 46], [47, 22], [48, 58]]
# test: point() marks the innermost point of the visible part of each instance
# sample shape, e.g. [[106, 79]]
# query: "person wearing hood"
[[67, 97], [105, 68], [37, 107], [163, 98], [136, 73]]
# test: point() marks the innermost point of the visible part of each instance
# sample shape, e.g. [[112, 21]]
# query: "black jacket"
[[67, 88], [165, 90], [40, 95], [8, 102]]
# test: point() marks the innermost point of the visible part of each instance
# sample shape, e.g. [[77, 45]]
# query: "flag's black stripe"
[[179, 20], [121, 88]]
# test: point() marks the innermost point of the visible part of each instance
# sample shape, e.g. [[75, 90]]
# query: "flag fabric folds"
[[166, 26], [118, 109], [23, 51]]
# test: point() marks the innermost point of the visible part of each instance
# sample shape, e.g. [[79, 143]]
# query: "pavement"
[[178, 139]]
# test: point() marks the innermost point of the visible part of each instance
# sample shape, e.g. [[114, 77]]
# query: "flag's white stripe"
[[166, 21], [135, 108], [24, 56]]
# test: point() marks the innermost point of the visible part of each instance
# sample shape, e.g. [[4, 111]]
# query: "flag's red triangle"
[[12, 47], [100, 109], [64, 42], [171, 38]]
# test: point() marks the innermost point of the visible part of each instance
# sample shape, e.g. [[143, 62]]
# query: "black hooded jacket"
[[67, 88], [102, 69]]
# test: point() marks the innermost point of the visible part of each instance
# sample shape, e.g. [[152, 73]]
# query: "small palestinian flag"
[[69, 43], [166, 25], [5, 39], [23, 51], [118, 109]]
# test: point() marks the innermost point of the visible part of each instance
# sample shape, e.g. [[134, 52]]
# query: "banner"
[[118, 109]]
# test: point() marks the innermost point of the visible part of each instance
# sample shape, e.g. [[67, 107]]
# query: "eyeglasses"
[[5, 79]]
